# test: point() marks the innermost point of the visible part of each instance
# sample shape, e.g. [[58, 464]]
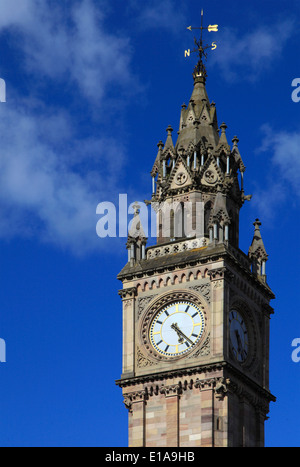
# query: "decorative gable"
[[205, 117], [180, 177], [211, 173], [190, 117]]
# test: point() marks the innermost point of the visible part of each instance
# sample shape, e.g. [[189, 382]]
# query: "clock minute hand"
[[180, 333]]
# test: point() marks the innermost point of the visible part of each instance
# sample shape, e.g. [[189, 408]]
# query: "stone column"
[[207, 412], [128, 298], [136, 402], [172, 394]]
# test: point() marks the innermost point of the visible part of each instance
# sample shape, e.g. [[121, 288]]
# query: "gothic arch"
[[207, 213]]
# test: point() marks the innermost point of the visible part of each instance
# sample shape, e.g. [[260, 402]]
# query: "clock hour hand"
[[240, 349], [239, 342], [180, 334]]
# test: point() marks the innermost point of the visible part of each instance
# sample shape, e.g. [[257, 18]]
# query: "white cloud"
[[41, 191], [248, 55], [285, 149], [70, 43], [51, 178], [282, 149], [167, 14]]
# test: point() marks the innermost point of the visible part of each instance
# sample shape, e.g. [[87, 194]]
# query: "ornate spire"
[[257, 252], [201, 164], [169, 142], [137, 240], [257, 248], [198, 120]]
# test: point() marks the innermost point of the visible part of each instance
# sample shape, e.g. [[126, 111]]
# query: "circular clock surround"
[[187, 316]]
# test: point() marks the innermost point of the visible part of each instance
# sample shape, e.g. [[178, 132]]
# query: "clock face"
[[238, 336], [177, 328]]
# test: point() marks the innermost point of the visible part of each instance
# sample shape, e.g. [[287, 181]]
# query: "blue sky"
[[91, 87]]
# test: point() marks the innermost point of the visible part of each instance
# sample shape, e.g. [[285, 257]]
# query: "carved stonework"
[[128, 293], [133, 397], [142, 361], [204, 290], [172, 390], [143, 302], [210, 176], [221, 389], [176, 247], [204, 350]]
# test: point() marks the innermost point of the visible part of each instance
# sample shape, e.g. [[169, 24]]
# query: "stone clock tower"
[[196, 309]]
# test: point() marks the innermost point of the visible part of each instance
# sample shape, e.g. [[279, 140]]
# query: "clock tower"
[[196, 308]]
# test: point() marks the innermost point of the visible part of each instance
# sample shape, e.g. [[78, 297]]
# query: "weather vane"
[[201, 50]]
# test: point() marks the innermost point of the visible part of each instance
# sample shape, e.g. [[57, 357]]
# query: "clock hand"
[[238, 338], [241, 351], [181, 334]]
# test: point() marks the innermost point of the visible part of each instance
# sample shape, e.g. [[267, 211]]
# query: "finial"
[[223, 127], [235, 141], [169, 130], [257, 224], [136, 207]]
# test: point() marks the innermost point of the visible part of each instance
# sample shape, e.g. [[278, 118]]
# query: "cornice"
[[171, 374], [193, 258], [228, 381], [128, 293]]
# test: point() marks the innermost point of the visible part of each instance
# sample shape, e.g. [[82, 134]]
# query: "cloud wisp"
[[51, 189], [69, 43], [52, 176], [246, 56], [282, 184]]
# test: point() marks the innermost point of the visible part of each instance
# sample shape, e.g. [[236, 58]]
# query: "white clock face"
[[177, 328], [238, 336]]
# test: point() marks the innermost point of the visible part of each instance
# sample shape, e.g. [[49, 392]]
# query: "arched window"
[[207, 212], [179, 221]]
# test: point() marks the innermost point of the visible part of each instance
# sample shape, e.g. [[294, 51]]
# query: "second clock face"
[[177, 328], [238, 335]]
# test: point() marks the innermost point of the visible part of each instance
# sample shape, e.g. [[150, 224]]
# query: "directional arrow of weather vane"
[[200, 49]]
